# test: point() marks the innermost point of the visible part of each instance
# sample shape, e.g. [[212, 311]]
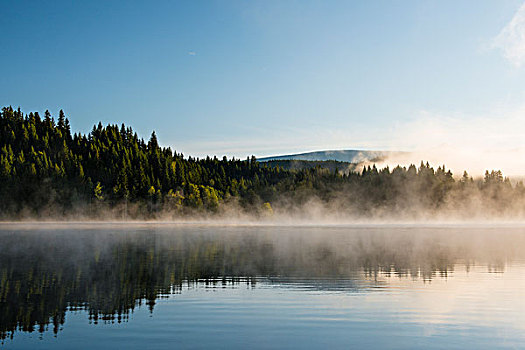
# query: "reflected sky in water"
[[158, 286]]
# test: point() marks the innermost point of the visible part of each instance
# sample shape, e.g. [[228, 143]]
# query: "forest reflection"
[[109, 271]]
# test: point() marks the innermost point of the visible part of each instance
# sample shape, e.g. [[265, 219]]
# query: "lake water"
[[156, 286]]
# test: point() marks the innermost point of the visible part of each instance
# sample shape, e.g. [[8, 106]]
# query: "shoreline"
[[242, 223]]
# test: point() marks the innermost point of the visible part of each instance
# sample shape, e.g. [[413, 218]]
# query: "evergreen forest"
[[46, 171]]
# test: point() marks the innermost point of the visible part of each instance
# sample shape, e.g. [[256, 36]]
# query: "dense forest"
[[46, 171], [297, 164]]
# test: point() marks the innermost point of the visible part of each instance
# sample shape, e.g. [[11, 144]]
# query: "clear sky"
[[271, 77]]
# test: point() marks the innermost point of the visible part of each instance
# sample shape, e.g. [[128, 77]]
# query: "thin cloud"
[[192, 53], [511, 39]]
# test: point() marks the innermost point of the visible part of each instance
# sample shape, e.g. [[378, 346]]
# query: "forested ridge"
[[46, 170]]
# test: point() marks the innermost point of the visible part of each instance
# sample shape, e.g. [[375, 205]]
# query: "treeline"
[[298, 164], [44, 165], [46, 171]]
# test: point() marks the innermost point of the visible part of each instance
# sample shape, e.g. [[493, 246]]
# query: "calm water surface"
[[189, 286]]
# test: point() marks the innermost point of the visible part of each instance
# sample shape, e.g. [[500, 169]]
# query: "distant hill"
[[347, 156]]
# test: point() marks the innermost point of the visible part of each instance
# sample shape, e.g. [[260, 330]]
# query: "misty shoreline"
[[49, 173], [232, 223]]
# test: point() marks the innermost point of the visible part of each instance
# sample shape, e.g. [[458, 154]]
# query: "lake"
[[154, 286]]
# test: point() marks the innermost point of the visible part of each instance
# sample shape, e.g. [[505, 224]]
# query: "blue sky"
[[270, 77]]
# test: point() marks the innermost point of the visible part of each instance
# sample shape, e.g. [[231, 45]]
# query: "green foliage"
[[97, 192], [151, 191], [267, 209], [43, 165]]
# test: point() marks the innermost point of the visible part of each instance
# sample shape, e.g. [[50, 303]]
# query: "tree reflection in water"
[[108, 271]]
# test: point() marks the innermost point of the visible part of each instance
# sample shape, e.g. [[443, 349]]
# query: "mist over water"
[[262, 285]]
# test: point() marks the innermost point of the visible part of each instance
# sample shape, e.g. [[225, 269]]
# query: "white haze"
[[463, 142], [460, 141]]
